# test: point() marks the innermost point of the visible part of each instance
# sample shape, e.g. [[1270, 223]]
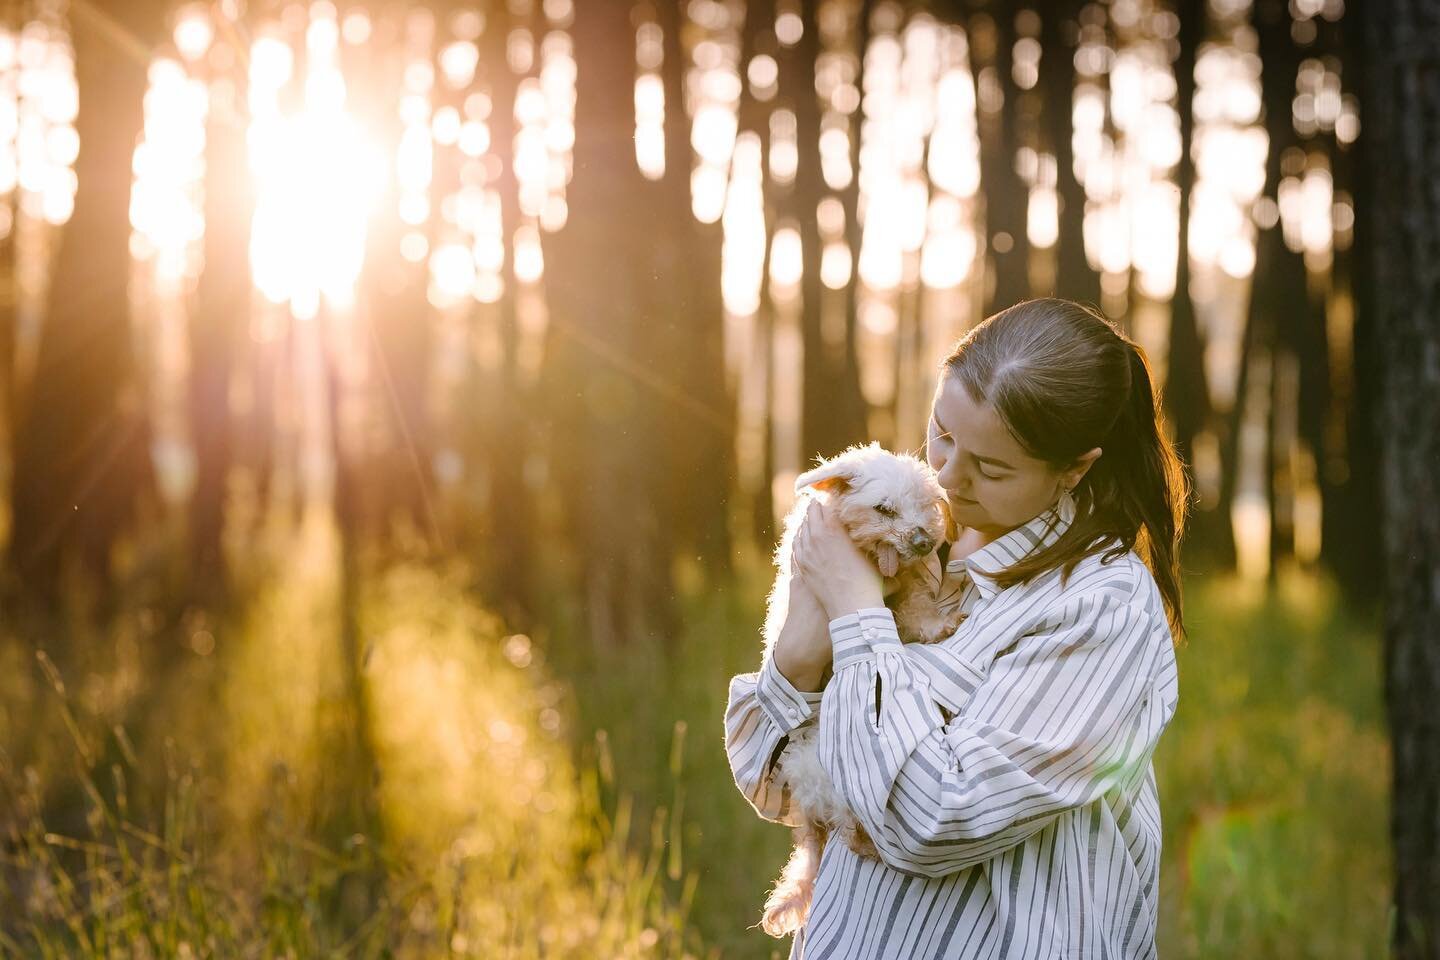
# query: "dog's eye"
[[885, 511]]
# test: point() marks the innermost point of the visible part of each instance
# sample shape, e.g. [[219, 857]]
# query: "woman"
[[1004, 774]]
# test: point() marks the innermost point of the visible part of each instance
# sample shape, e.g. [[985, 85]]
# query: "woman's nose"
[[951, 477]]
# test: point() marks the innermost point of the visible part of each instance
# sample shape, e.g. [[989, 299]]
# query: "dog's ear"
[[834, 477], [952, 529]]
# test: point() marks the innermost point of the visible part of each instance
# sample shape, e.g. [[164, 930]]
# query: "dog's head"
[[890, 503]]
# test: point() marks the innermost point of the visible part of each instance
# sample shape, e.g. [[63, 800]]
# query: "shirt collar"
[[1030, 537]]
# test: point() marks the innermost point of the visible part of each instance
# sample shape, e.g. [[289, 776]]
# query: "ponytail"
[[1143, 484], [1064, 380]]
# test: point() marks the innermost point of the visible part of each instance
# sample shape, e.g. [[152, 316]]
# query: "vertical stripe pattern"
[[1005, 776]]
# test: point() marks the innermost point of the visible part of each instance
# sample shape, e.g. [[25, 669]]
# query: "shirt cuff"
[[787, 707], [857, 635]]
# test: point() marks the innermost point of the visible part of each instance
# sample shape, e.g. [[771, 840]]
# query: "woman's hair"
[[1063, 380]]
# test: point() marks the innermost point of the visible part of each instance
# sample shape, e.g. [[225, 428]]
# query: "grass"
[[251, 793], [409, 779], [1274, 774], [1275, 778]]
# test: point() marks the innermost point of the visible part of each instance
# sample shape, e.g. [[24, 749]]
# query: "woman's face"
[[992, 484]]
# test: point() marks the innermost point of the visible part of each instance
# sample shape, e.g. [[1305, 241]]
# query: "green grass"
[[232, 788], [414, 781], [1274, 774], [1275, 779]]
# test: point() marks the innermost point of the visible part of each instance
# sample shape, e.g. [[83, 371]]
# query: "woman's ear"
[[833, 476], [1081, 466]]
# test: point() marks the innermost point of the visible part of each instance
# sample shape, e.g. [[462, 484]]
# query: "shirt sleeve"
[[764, 708], [1064, 715]]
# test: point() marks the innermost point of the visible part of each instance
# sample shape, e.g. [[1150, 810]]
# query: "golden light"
[[835, 266], [193, 32], [37, 114], [835, 156], [707, 193], [458, 62], [713, 133], [881, 258], [414, 246], [947, 259], [953, 163], [786, 262], [784, 154], [764, 75], [317, 177], [1043, 217], [532, 156], [1154, 243], [355, 28], [913, 210], [529, 255], [473, 138], [445, 126], [742, 254], [169, 163], [650, 125], [789, 28], [452, 275]]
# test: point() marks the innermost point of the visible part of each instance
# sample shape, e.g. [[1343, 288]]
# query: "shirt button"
[[868, 633], [923, 680], [794, 713]]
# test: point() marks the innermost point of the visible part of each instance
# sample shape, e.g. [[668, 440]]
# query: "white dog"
[[893, 509]]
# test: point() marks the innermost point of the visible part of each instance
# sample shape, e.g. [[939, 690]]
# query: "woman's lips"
[[959, 499]]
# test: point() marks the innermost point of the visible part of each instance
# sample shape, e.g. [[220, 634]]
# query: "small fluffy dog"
[[895, 511]]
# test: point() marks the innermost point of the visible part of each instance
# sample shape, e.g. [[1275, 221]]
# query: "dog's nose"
[[921, 542]]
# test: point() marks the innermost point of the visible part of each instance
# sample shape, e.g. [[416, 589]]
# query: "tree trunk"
[[1059, 36], [606, 453], [1350, 538], [1279, 282], [509, 401], [1186, 399], [1007, 199], [819, 429], [757, 38], [82, 448], [221, 315], [1402, 161], [851, 422], [690, 310]]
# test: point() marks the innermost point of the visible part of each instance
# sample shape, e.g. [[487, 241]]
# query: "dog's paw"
[[786, 910]]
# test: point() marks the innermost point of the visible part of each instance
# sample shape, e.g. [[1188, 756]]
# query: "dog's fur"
[[894, 509]]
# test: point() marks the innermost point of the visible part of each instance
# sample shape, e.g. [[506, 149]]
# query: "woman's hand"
[[822, 555]]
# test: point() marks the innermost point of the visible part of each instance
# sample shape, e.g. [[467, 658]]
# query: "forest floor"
[[1274, 774], [363, 768], [372, 765]]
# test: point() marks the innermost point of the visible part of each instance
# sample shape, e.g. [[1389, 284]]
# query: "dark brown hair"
[[1063, 379]]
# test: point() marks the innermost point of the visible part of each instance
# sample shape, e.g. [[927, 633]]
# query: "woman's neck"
[[970, 540]]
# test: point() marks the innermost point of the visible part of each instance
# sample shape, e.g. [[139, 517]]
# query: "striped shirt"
[[1004, 774]]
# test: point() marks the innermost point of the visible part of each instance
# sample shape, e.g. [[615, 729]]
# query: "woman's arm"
[[1061, 717], [784, 695], [763, 710]]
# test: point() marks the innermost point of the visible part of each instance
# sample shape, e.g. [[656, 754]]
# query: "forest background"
[[398, 403]]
